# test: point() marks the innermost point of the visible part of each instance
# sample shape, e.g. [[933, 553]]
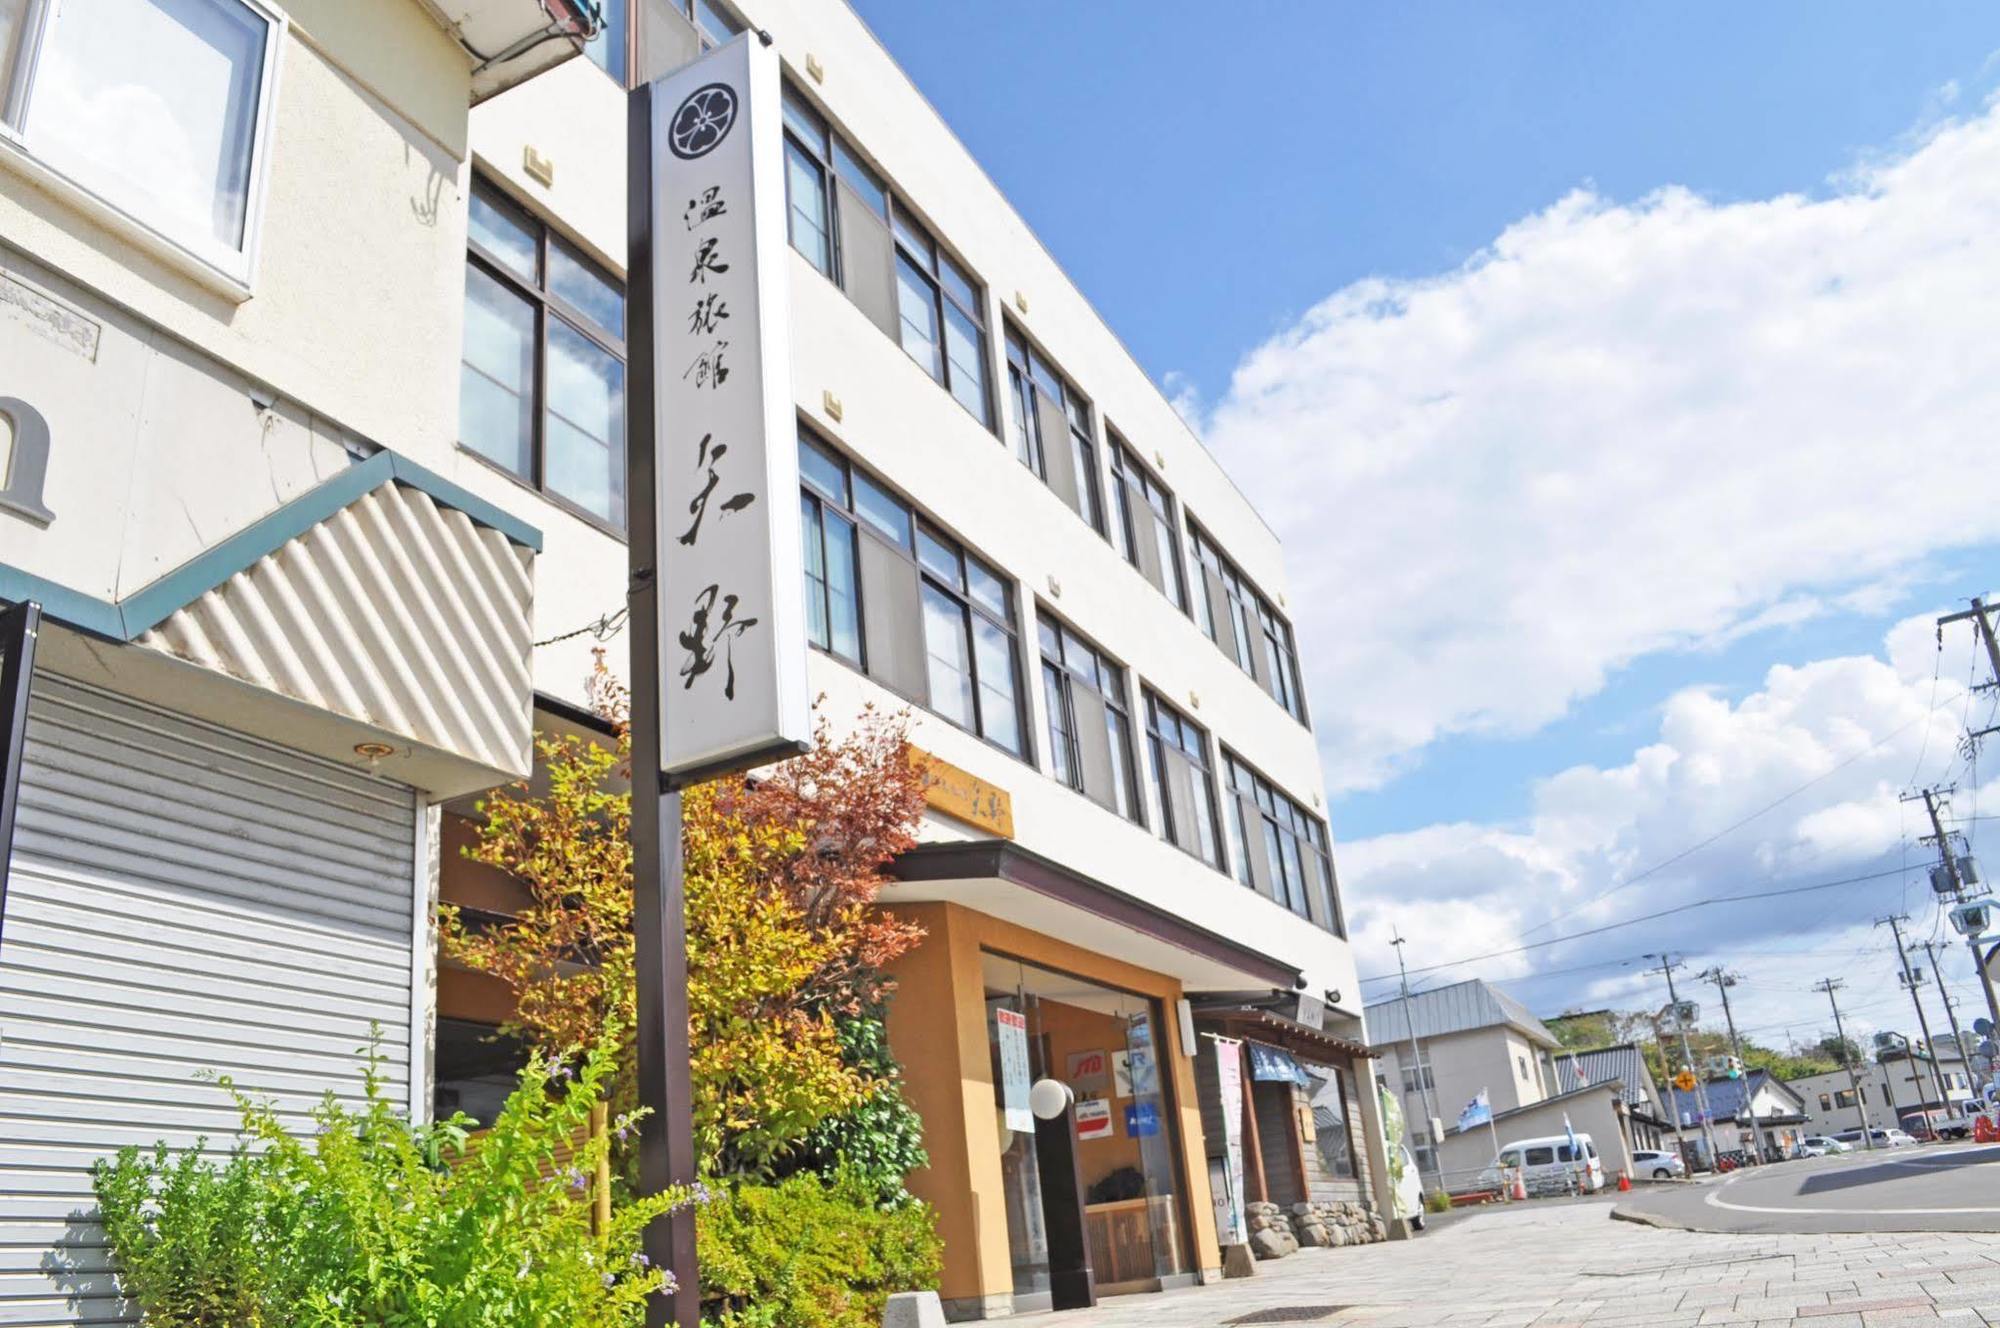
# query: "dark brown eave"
[[1257, 1025], [998, 859]]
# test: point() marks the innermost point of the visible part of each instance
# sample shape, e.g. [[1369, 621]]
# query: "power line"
[[1651, 917]]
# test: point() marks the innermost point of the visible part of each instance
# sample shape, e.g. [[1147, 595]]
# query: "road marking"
[[1714, 1199]]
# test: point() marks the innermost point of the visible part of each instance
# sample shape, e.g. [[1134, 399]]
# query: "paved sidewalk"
[[1570, 1266]]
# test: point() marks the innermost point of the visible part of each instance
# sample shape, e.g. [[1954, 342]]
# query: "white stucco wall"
[[909, 431]]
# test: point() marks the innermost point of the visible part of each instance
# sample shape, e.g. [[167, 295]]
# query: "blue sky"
[[1150, 137], [1619, 378]]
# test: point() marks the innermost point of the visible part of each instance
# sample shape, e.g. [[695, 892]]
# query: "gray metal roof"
[[1623, 1063], [1459, 1008]]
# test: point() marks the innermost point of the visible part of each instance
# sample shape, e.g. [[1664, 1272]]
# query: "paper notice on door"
[[1010, 1029]]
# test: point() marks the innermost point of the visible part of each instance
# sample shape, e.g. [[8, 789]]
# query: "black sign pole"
[[19, 626], [659, 916]]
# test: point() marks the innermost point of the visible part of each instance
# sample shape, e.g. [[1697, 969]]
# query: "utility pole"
[[1667, 966], [1913, 985], [1978, 613], [1949, 861], [1419, 1068], [1724, 980], [1951, 1013], [1830, 986]]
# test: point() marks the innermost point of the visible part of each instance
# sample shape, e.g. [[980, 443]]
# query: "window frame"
[[547, 304], [231, 272], [1154, 704], [830, 157], [1021, 381], [1308, 832], [972, 608], [1047, 621], [1254, 613], [1124, 460]]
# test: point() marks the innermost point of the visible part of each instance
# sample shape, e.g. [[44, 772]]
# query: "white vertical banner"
[[732, 629], [1231, 1225], [1010, 1029]]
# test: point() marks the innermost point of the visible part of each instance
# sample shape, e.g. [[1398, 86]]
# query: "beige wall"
[[1593, 1113], [1464, 1064]]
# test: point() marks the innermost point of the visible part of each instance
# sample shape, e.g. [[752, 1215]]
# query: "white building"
[[328, 375]]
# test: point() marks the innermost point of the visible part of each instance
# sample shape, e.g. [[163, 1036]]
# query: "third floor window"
[[848, 223], [1144, 525], [1090, 722], [1052, 433], [1240, 620]]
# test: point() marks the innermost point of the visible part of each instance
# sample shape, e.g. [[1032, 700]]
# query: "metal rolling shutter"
[[183, 899]]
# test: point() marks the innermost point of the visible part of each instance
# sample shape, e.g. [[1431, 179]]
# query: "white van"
[[1548, 1166]]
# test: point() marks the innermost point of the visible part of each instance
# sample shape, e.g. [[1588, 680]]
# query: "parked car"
[[1410, 1191], [1548, 1165], [1820, 1145], [1883, 1138], [1652, 1164]]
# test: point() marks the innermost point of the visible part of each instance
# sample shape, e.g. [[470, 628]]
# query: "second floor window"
[[1052, 432], [542, 387], [1281, 851], [1417, 1077], [849, 224], [1144, 525], [890, 592], [1179, 750], [1249, 630], [1090, 725], [159, 108]]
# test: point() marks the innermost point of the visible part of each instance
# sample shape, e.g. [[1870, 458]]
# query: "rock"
[[1268, 1244], [913, 1309]]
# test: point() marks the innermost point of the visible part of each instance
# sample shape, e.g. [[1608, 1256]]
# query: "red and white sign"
[[1093, 1119], [1088, 1069]]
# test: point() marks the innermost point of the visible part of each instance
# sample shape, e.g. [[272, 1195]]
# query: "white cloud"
[[1796, 783], [1625, 428]]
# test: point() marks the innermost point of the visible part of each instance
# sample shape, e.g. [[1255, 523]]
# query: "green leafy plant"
[[879, 1141], [809, 1252], [1437, 1201], [375, 1223]]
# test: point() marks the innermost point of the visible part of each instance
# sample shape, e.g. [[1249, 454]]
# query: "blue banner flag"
[[1479, 1111]]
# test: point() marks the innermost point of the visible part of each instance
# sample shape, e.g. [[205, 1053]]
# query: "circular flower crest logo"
[[702, 121]]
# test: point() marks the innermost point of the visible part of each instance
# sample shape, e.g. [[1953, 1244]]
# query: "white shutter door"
[[182, 899]]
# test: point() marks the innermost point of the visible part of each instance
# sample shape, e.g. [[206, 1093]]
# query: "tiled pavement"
[[1555, 1265]]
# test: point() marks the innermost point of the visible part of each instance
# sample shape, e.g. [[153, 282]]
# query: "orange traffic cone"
[[1624, 1183], [1520, 1187]]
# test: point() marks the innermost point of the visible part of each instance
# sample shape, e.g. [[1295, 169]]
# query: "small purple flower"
[[641, 1261], [610, 1280], [577, 1180], [701, 1194]]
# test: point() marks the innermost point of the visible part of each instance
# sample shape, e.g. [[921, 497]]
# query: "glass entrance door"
[[1106, 1044]]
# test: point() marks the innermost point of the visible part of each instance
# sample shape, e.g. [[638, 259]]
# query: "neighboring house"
[[1889, 1091], [1471, 1037], [1758, 1113], [1647, 1114]]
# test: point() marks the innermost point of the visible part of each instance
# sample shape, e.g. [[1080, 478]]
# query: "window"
[[1143, 524], [891, 593], [1417, 1078], [1240, 620], [1541, 1157], [1281, 851], [1179, 750], [849, 224], [1522, 1062], [1052, 434], [1090, 723], [1843, 1098], [542, 386], [1826, 1102], [715, 23], [157, 108]]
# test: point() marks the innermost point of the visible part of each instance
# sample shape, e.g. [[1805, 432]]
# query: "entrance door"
[[1106, 1044]]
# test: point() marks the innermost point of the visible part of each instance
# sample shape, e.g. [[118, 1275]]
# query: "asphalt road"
[[1948, 1187]]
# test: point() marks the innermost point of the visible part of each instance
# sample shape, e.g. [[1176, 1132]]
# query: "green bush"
[[809, 1252], [879, 1142], [364, 1226], [1437, 1201]]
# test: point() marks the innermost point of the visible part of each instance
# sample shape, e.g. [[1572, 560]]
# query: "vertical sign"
[[1010, 1029], [731, 617], [1230, 1226]]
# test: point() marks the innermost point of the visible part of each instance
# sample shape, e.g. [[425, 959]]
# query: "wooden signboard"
[[964, 796]]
